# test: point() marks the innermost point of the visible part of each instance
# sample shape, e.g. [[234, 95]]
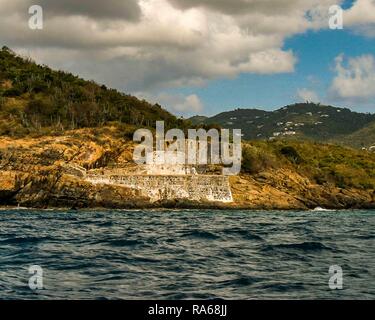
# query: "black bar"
[[194, 309]]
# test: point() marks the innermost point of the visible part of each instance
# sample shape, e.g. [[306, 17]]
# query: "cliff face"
[[50, 172], [285, 189]]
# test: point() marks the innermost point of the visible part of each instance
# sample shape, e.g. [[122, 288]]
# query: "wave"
[[304, 246], [283, 287], [201, 234], [25, 240], [241, 281], [124, 242], [245, 234], [322, 209]]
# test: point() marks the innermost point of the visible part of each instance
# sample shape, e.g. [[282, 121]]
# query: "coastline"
[[175, 209], [279, 190], [186, 205], [51, 172]]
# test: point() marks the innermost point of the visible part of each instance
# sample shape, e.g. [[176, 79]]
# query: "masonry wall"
[[158, 187]]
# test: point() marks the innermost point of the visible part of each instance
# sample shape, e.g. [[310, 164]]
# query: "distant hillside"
[[364, 137], [34, 98], [197, 120], [304, 120]]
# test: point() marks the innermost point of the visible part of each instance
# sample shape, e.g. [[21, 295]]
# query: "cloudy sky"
[[206, 56]]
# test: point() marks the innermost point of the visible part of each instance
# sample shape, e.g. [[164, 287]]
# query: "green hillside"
[[304, 120], [363, 138], [322, 163], [36, 99], [197, 120]]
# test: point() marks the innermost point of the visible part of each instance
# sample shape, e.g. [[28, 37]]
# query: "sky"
[[206, 56]]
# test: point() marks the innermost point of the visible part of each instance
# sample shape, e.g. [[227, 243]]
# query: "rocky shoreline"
[[66, 191]]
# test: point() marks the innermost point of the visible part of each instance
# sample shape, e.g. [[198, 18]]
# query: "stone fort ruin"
[[161, 180]]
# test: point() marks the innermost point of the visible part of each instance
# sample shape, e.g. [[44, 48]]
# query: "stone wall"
[[158, 187]]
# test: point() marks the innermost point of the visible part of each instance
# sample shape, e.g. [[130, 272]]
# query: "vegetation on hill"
[[198, 120], [321, 163], [36, 99], [363, 138]]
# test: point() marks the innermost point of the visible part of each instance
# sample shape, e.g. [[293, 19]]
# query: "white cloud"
[[361, 16], [151, 45], [161, 43], [307, 95], [355, 79], [176, 103]]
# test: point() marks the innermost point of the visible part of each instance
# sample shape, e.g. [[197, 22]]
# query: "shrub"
[[12, 92], [255, 160], [291, 154]]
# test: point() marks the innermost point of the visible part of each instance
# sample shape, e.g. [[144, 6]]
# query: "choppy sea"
[[186, 254]]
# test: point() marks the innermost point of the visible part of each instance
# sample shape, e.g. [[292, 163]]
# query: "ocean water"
[[187, 254]]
